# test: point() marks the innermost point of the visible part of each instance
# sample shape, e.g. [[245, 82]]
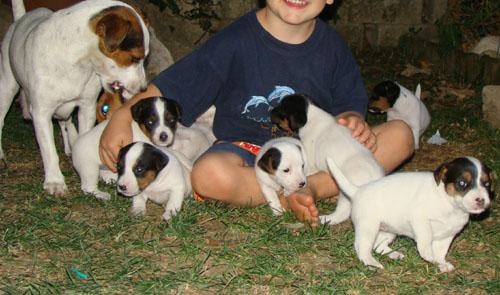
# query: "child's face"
[[296, 12]]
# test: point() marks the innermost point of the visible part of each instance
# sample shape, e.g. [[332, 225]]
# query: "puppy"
[[154, 121], [107, 104], [148, 172], [324, 138], [431, 208], [401, 104], [62, 59], [280, 165]]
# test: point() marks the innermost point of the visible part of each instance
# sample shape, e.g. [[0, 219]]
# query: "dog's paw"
[[102, 195], [108, 177], [168, 214], [55, 188], [277, 209], [446, 267], [396, 255], [138, 210], [372, 262]]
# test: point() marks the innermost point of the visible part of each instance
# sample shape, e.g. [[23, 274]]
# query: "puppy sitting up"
[[401, 104], [280, 166], [431, 208], [156, 173], [154, 121]]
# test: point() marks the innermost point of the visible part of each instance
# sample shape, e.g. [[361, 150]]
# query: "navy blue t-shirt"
[[244, 71]]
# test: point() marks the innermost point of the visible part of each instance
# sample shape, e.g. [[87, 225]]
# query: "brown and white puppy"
[[401, 104], [280, 165], [149, 172], [154, 121], [62, 59], [107, 104], [431, 208], [324, 138]]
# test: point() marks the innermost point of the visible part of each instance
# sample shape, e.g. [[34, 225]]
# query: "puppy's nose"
[[302, 184], [122, 187], [163, 136], [480, 202]]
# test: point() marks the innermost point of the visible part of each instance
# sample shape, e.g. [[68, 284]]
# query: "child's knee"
[[403, 136], [208, 174]]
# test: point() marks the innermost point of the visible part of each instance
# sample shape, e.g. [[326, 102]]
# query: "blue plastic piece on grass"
[[80, 274]]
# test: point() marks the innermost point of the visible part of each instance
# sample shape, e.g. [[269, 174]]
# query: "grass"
[[77, 244]]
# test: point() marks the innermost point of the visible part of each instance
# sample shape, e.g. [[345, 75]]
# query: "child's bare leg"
[[394, 144], [224, 177]]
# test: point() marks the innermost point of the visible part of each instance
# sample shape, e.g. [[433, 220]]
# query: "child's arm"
[[361, 131], [118, 133]]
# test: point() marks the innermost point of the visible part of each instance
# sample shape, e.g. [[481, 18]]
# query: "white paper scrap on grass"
[[436, 139]]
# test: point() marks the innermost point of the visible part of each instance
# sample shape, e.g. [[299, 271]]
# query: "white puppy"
[[401, 104], [149, 172], [61, 60], [431, 208], [280, 165], [324, 138], [154, 121]]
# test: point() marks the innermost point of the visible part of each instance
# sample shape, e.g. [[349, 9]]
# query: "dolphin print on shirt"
[[257, 108]]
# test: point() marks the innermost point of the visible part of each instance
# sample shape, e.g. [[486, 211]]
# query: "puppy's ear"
[[176, 109], [440, 173], [387, 89], [161, 159], [270, 161], [291, 113]]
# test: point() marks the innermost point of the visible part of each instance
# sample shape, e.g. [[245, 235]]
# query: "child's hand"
[[116, 135], [361, 131]]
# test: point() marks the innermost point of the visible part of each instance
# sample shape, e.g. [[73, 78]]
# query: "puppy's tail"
[[345, 185], [18, 9]]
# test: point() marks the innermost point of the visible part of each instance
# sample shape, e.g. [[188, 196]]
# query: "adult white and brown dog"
[[62, 59], [324, 138], [431, 208], [154, 121], [146, 172], [280, 165], [401, 104]]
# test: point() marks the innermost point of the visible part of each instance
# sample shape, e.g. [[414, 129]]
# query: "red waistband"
[[252, 148]]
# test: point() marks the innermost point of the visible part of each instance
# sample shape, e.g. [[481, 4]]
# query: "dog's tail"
[[418, 91], [18, 9], [345, 185]]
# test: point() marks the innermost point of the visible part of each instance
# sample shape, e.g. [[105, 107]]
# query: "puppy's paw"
[[138, 210], [372, 262], [55, 188], [277, 209], [102, 195], [168, 214], [396, 255], [446, 267], [108, 177]]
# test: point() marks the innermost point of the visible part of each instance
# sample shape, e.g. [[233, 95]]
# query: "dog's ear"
[[270, 160], [112, 30], [487, 177], [175, 108], [161, 159], [387, 89], [291, 113], [440, 173], [140, 108]]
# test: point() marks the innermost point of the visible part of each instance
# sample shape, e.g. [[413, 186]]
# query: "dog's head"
[[107, 104], [467, 180], [384, 96], [285, 164], [157, 117], [139, 164], [291, 113], [123, 44]]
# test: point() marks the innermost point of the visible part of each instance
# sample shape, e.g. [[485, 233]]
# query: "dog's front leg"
[[272, 199], [173, 205], [440, 249], [423, 236], [54, 179], [139, 204]]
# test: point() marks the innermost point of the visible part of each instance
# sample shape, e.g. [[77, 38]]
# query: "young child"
[[245, 70]]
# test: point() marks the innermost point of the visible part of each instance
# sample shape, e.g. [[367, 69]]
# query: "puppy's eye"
[[286, 170], [138, 170], [462, 184], [150, 123], [105, 109]]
